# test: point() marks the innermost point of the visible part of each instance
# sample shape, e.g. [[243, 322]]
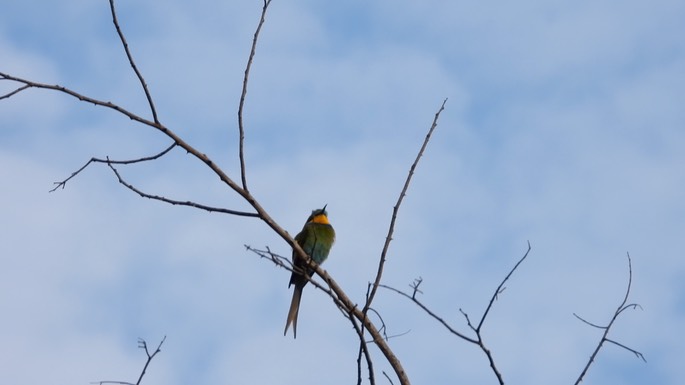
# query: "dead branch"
[[370, 296], [363, 351], [166, 131], [346, 305], [396, 208], [31, 84], [412, 297], [500, 289], [478, 340], [243, 94], [143, 84], [63, 183], [621, 307], [176, 202], [142, 345], [388, 377], [332, 288], [340, 297], [10, 94]]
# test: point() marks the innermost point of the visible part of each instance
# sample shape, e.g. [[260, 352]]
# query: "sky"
[[563, 127]]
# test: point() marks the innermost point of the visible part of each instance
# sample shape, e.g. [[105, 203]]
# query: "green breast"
[[316, 240]]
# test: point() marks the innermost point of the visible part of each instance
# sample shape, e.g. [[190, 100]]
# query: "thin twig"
[[133, 63], [363, 351], [63, 183], [176, 202], [334, 290], [142, 345], [18, 90], [381, 263], [362, 343], [388, 377], [638, 354], [173, 136], [476, 329], [342, 301], [83, 98], [288, 265], [431, 313], [243, 94], [483, 348], [279, 260], [396, 208], [606, 329], [499, 289], [588, 322], [383, 329]]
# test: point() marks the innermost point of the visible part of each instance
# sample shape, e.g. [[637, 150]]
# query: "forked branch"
[[343, 302], [63, 183], [129, 56], [396, 208], [175, 202], [500, 289], [142, 345], [477, 330], [243, 94], [388, 238], [358, 316], [607, 328]]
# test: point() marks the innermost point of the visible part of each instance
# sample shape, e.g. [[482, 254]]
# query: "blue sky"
[[564, 127]]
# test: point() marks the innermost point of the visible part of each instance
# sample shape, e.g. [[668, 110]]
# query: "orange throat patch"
[[320, 219]]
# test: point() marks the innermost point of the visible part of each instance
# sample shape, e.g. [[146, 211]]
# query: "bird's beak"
[[324, 207]]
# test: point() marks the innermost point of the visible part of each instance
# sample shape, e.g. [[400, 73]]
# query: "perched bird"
[[316, 238]]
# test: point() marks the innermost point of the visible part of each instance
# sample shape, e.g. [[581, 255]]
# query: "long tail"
[[294, 310]]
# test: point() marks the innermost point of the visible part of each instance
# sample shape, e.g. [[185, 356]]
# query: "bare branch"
[[415, 287], [287, 264], [333, 289], [169, 133], [478, 341], [607, 328], [142, 345], [133, 63], [383, 329], [431, 313], [83, 98], [476, 329], [18, 90], [279, 260], [241, 106], [110, 162], [363, 350], [500, 289], [343, 302], [63, 183], [637, 354], [388, 377], [468, 319], [588, 322], [396, 208], [176, 202]]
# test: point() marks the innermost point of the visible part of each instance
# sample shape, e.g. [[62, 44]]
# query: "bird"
[[315, 239]]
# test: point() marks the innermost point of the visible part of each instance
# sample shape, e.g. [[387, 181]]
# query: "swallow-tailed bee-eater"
[[316, 238]]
